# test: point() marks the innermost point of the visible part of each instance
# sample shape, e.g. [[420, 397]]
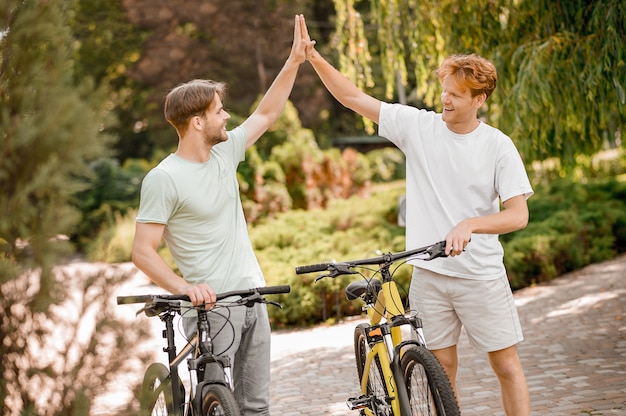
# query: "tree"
[[561, 65], [50, 129], [243, 43], [108, 46]]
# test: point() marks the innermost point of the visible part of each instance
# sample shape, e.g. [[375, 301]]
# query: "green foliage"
[[50, 129], [572, 224], [387, 164], [114, 242], [562, 66], [286, 169], [108, 46], [346, 229], [110, 190]]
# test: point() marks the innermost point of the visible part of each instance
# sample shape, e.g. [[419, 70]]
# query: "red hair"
[[473, 71]]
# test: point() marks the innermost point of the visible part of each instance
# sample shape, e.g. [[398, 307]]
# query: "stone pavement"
[[574, 354]]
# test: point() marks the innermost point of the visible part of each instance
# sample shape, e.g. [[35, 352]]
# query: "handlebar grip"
[[310, 268], [274, 290], [126, 300]]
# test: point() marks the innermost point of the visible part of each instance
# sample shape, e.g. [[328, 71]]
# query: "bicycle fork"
[[212, 369], [380, 345]]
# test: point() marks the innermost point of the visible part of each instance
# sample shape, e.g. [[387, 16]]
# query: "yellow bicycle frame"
[[384, 309]]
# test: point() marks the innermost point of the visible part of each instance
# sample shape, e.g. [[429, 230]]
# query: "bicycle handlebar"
[[267, 290], [434, 251]]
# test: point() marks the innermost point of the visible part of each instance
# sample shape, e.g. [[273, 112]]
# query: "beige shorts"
[[484, 307]]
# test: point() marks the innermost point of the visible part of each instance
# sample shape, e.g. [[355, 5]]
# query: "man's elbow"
[[136, 256], [522, 222]]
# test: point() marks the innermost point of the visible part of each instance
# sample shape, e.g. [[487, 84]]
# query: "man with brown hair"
[[191, 199], [459, 169]]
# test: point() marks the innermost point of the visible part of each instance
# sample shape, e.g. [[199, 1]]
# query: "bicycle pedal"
[[356, 403]]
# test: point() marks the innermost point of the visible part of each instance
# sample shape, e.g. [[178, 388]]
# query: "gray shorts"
[[484, 307]]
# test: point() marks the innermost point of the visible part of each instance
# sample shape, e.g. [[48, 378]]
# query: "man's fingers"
[[297, 29], [304, 29], [201, 294]]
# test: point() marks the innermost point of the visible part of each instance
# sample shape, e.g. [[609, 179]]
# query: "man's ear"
[[480, 99], [196, 122]]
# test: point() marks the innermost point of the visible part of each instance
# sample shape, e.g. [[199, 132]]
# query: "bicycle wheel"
[[156, 392], [376, 388], [428, 386], [219, 400], [360, 348]]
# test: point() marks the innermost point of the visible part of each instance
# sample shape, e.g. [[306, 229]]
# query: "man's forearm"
[[278, 93], [337, 84], [344, 90]]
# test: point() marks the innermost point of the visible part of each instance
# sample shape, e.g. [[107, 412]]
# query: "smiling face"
[[214, 122], [460, 108]]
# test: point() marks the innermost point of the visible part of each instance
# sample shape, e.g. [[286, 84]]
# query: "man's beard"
[[215, 138]]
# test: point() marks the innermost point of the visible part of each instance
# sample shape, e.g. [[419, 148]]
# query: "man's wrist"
[[291, 63]]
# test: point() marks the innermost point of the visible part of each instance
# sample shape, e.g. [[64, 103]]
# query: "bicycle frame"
[[407, 367], [216, 385], [388, 305], [175, 360]]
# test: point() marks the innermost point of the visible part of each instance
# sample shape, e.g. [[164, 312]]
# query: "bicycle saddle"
[[357, 289]]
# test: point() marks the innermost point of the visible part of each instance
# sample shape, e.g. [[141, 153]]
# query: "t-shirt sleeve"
[[157, 201], [235, 147], [387, 125], [511, 177], [398, 121]]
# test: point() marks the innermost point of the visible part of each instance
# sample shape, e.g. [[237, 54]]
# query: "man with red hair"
[[458, 171]]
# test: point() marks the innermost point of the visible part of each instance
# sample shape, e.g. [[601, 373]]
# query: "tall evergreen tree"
[[50, 129]]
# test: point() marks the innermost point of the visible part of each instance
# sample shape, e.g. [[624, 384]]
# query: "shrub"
[[572, 224]]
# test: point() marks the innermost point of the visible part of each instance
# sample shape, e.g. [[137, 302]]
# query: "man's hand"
[[298, 48], [199, 294], [309, 44], [458, 238]]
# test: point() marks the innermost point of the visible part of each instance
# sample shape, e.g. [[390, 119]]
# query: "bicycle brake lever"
[[252, 299], [271, 302], [437, 250], [338, 269], [320, 277]]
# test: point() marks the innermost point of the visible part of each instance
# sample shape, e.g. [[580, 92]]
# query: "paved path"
[[574, 354]]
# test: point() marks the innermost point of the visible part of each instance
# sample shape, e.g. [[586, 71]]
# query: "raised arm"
[[338, 85], [276, 96]]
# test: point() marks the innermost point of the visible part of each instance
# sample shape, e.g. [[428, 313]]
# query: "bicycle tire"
[[428, 386], [376, 387], [218, 400], [156, 392]]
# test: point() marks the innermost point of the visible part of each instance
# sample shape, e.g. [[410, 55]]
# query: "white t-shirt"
[[451, 177], [205, 227]]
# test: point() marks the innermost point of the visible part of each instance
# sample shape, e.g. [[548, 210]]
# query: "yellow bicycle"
[[398, 376]]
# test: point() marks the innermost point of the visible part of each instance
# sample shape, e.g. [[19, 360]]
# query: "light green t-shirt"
[[205, 227]]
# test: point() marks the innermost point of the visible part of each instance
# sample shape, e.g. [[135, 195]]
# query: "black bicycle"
[[210, 377]]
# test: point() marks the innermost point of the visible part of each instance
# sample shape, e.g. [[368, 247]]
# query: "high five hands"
[[303, 46]]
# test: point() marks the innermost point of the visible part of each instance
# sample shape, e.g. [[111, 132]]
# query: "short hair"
[[475, 72], [191, 99]]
